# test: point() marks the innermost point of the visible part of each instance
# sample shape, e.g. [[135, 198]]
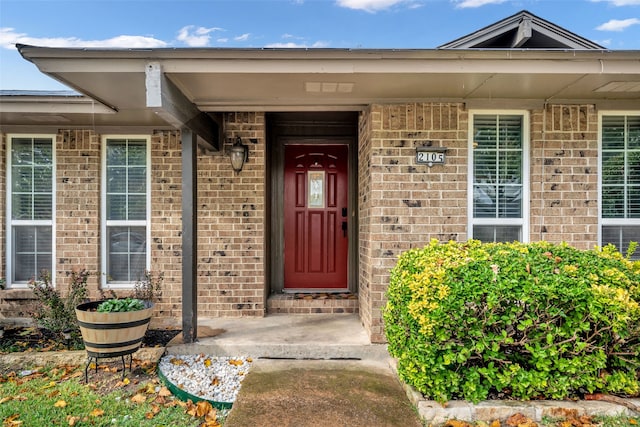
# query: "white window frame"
[[104, 250], [523, 222], [603, 222], [10, 222]]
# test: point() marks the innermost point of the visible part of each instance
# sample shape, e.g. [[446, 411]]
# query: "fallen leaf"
[[176, 361], [5, 399], [96, 412], [495, 423], [164, 392], [155, 409], [519, 420], [60, 404], [72, 420], [191, 409], [12, 421], [207, 362], [215, 381], [139, 398], [211, 416], [633, 422], [203, 408], [456, 423]]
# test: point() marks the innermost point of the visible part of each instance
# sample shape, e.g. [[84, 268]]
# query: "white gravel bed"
[[207, 377]]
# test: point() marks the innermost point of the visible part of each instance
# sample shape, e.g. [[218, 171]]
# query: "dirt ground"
[[321, 393]]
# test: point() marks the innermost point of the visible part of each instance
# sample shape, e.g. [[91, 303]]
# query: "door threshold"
[[316, 291]]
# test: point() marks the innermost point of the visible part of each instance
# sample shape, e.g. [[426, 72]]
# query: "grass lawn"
[[59, 396]]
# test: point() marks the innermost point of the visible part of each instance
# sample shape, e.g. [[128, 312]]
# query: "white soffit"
[[620, 87]]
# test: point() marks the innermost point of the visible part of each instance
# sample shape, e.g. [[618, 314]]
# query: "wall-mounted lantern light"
[[239, 154]]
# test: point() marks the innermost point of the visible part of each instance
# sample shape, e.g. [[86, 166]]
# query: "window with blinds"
[[620, 180], [497, 177], [125, 210], [31, 207]]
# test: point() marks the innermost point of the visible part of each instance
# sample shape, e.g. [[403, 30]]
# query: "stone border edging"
[[433, 412]]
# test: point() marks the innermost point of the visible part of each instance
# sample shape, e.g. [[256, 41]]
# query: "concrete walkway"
[[315, 336]]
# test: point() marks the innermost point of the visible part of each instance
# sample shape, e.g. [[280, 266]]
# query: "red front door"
[[315, 216]]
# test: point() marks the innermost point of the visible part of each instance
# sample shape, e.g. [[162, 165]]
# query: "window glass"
[[127, 253], [126, 201], [497, 172], [494, 233], [31, 201], [620, 180]]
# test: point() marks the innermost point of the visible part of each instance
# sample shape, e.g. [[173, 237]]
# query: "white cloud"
[[606, 42], [9, 37], [291, 45], [194, 36], [618, 24], [464, 4], [621, 2], [242, 38], [368, 5]]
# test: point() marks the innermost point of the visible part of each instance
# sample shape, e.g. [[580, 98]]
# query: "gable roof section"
[[523, 30]]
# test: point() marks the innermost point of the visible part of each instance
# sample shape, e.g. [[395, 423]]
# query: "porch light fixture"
[[239, 154]]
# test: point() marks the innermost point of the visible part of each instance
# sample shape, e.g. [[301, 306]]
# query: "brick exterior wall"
[[404, 205], [401, 205], [230, 214], [365, 209], [564, 175], [231, 225]]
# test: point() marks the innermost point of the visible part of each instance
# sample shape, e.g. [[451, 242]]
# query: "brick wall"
[[230, 214], [364, 216], [401, 205], [166, 221], [404, 205], [564, 175], [77, 186], [231, 224]]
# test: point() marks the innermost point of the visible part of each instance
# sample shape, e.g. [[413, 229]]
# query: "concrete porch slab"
[[315, 336]]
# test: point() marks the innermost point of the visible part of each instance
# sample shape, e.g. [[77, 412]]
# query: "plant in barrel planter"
[[116, 327]]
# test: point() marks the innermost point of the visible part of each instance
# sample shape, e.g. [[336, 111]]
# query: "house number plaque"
[[430, 155]]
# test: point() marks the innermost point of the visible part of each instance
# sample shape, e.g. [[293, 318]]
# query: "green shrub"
[[120, 305], [56, 311], [470, 320]]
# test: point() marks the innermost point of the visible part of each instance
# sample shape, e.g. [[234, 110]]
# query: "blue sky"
[[412, 24]]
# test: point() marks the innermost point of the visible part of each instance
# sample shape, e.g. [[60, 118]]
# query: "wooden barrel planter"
[[114, 334]]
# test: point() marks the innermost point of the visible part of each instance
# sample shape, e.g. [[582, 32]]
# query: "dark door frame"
[[309, 128]]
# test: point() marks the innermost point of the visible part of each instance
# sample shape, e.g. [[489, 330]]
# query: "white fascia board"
[[53, 106], [407, 66]]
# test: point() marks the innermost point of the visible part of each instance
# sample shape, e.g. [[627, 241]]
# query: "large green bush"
[[539, 320]]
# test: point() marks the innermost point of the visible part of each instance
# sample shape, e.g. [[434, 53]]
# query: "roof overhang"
[[220, 80]]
